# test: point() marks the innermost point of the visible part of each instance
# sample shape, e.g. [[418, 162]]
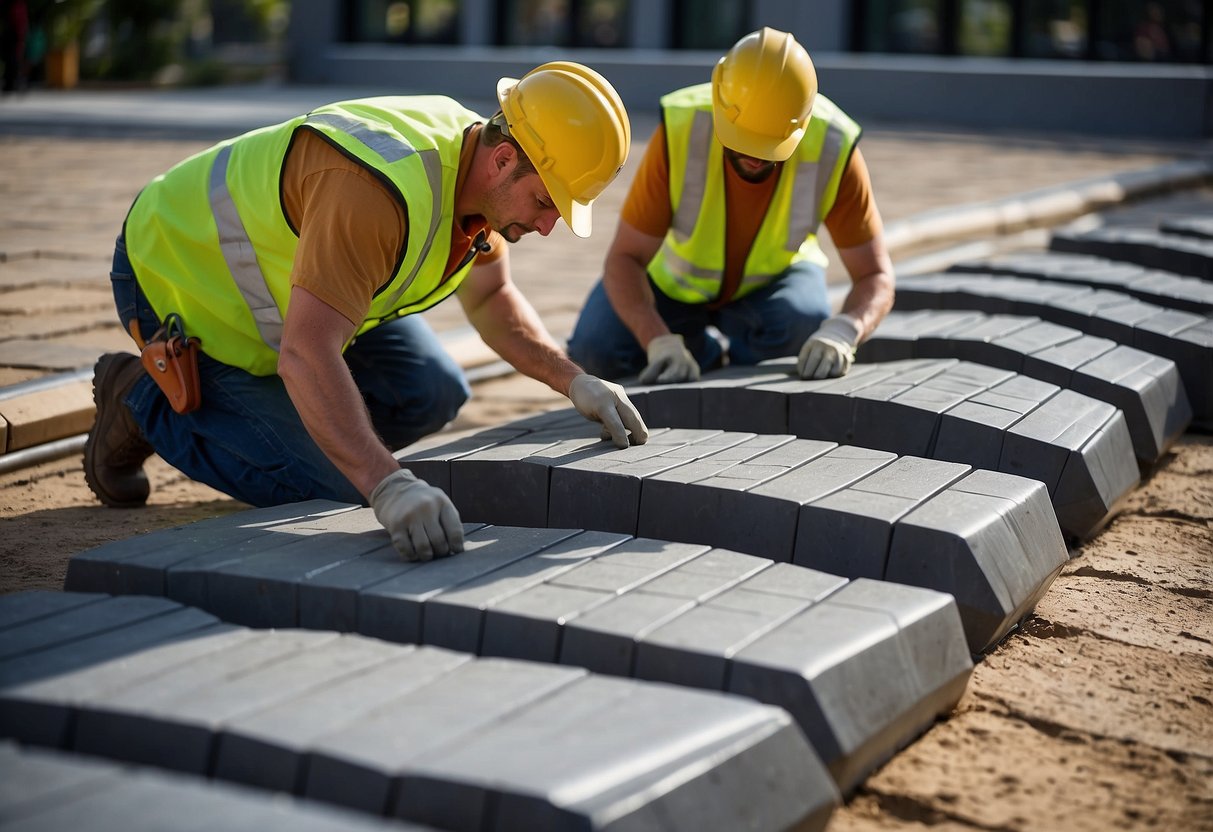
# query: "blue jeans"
[[769, 323], [247, 439]]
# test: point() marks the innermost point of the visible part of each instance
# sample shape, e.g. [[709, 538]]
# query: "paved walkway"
[[75, 160]]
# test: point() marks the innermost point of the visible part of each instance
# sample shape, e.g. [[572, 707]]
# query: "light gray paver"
[[426, 734], [1146, 387], [1193, 226], [1146, 246], [46, 790], [1184, 337], [1161, 288]]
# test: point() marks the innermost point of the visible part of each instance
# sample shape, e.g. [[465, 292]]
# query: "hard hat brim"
[[576, 215], [753, 144]]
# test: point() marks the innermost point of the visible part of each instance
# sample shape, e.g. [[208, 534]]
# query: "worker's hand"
[[421, 519], [606, 402], [669, 361], [830, 350]]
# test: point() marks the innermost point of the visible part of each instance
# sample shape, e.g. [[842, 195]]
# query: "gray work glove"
[[669, 361], [606, 402], [421, 519], [830, 351]]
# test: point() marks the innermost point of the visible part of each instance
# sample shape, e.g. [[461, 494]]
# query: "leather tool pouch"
[[171, 359]]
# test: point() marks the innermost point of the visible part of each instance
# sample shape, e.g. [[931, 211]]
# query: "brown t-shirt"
[[853, 220], [352, 230]]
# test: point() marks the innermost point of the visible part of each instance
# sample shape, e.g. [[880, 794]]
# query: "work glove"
[[830, 350], [421, 519], [669, 361], [606, 402]]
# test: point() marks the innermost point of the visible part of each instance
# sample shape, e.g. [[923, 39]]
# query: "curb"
[[1044, 207]]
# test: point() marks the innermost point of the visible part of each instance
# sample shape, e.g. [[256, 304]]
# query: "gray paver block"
[[138, 564], [392, 609], [946, 409], [1193, 226], [1081, 449], [598, 721], [845, 671], [1184, 337], [427, 734], [48, 790], [1156, 286], [849, 531], [985, 542], [1145, 246]]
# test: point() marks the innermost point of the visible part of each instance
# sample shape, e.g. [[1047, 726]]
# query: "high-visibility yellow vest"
[[210, 239], [689, 267]]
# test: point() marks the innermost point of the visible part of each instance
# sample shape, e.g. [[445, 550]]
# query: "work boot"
[[116, 449]]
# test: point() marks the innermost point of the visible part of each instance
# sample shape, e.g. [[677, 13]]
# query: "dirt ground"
[[1097, 714]]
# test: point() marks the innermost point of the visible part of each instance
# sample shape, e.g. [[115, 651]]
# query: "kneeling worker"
[[719, 230], [298, 254]]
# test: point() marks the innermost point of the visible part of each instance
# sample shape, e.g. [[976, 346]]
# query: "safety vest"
[[689, 267], [210, 239]]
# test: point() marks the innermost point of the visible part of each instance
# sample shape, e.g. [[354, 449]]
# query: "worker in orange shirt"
[[299, 255], [715, 259]]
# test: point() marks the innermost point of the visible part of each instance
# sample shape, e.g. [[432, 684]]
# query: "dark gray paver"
[[139, 564], [50, 790], [1161, 288], [1145, 387], [1183, 337], [1146, 246], [430, 735], [1194, 226], [605, 601], [956, 411]]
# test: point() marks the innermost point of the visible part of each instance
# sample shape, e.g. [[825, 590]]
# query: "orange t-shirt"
[[853, 220], [352, 230]]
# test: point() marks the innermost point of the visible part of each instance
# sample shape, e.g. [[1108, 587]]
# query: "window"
[[715, 26], [403, 21], [574, 23]]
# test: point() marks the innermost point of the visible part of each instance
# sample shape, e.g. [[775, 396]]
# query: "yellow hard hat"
[[762, 94], [573, 127]]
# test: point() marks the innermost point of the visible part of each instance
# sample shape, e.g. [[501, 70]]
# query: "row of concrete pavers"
[[52, 791], [1199, 226], [1161, 288], [1179, 246], [420, 733], [863, 666], [1183, 337], [442, 737], [1145, 388], [954, 411]]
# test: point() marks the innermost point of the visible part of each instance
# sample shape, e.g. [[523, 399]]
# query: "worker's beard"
[[500, 204], [748, 171]]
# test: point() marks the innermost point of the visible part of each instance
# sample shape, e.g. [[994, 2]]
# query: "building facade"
[[1113, 67]]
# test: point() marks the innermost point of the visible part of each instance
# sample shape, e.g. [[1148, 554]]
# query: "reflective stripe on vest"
[[691, 200], [240, 257]]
